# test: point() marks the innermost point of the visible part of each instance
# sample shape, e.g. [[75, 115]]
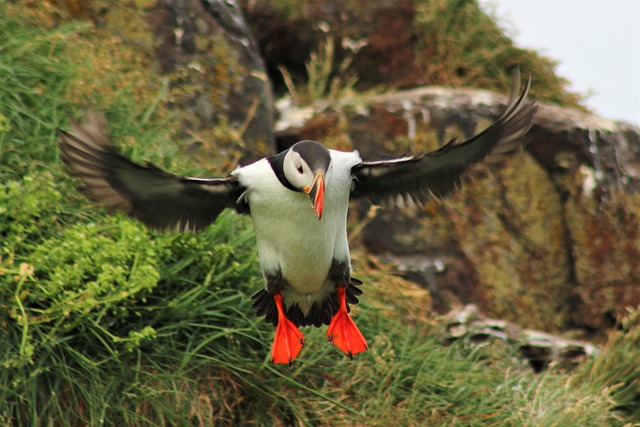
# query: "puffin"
[[298, 202]]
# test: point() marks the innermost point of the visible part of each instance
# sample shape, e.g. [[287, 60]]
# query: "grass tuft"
[[327, 81], [462, 45]]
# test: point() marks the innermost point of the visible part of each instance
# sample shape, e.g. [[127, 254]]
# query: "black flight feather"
[[435, 174], [157, 198]]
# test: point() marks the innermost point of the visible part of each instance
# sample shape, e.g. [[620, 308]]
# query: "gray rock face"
[[209, 43], [538, 348]]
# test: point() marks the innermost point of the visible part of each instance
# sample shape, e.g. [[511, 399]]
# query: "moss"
[[107, 75], [128, 22], [522, 264], [220, 65], [606, 242]]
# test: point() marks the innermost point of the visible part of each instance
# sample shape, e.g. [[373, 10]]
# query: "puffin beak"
[[316, 193]]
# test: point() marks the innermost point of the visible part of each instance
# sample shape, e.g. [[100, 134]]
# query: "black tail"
[[320, 314]]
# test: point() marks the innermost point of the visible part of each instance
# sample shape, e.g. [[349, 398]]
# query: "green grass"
[[461, 45], [33, 85], [104, 322], [327, 81]]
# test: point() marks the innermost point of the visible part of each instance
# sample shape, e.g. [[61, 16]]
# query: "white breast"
[[290, 237]]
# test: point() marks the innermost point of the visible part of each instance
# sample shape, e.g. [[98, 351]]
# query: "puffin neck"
[[277, 164]]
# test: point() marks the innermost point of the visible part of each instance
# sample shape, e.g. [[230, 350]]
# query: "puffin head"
[[305, 166]]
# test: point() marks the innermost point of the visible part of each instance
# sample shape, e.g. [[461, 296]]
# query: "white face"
[[297, 171]]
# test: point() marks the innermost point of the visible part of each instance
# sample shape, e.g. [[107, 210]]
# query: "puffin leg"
[[343, 332], [288, 339]]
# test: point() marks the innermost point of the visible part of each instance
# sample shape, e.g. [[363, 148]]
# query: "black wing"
[[435, 174], [155, 197]]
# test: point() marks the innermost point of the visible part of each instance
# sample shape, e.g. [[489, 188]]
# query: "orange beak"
[[316, 193]]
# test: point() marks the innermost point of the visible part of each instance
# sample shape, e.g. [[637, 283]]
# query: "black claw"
[[350, 355], [330, 337], [290, 362]]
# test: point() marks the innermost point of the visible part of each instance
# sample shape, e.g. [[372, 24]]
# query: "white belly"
[[291, 239], [301, 246]]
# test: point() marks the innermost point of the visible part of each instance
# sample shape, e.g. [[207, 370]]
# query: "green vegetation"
[[105, 322], [461, 45], [326, 81]]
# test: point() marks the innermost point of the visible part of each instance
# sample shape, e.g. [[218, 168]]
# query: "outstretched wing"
[[435, 174], [155, 197]]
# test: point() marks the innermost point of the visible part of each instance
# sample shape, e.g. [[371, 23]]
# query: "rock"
[[550, 240], [214, 73], [538, 348], [211, 39], [596, 171]]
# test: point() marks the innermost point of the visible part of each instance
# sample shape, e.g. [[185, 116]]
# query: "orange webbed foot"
[[288, 339], [343, 332]]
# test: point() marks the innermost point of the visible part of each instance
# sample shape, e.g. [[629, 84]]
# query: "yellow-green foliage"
[[617, 368], [326, 82]]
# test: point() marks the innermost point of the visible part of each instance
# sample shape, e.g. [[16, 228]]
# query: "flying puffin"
[[298, 201]]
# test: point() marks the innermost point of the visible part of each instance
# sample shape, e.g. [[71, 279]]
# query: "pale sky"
[[596, 42]]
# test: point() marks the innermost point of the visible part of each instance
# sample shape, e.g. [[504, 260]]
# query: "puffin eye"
[[300, 170]]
